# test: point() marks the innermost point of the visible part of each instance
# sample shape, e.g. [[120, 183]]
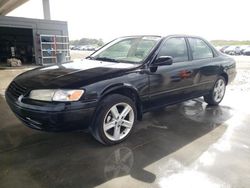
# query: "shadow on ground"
[[31, 158]]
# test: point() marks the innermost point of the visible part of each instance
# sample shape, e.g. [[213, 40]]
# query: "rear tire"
[[115, 119], [216, 95]]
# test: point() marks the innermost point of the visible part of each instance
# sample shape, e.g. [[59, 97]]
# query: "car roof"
[[166, 36], [141, 36], [183, 35]]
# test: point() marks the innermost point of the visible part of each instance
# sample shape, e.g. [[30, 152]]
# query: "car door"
[[208, 63], [168, 83]]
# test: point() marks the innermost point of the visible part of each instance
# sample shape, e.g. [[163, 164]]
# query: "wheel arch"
[[225, 76], [127, 90]]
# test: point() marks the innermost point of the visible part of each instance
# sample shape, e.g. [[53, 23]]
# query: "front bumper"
[[53, 117]]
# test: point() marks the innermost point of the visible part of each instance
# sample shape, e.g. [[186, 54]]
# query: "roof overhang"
[[7, 6]]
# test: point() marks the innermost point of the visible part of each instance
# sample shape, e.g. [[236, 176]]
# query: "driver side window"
[[176, 48]]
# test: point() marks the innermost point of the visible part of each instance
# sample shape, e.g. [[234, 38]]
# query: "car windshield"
[[129, 50]]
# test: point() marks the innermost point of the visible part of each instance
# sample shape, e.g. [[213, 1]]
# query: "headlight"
[[60, 95], [67, 95]]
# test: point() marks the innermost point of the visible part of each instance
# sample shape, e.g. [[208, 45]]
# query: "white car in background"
[[246, 51], [232, 50]]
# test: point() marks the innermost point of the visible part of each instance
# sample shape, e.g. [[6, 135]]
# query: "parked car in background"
[[71, 47], [88, 47], [111, 89], [92, 47], [246, 51], [83, 47], [242, 48], [218, 47], [232, 50], [223, 48], [75, 48]]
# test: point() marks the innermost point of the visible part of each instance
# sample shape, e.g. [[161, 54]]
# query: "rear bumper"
[[53, 118]]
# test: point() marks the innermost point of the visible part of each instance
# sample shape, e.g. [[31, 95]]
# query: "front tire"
[[115, 119], [216, 95]]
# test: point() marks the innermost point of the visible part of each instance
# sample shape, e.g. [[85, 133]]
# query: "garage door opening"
[[16, 43]]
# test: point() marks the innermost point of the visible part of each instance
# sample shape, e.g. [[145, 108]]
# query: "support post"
[[46, 9]]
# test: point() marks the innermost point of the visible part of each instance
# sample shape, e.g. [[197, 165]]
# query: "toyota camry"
[[112, 88]]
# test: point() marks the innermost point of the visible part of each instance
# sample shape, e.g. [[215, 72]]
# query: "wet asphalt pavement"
[[186, 145]]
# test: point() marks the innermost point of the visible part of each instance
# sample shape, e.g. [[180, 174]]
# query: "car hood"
[[72, 75]]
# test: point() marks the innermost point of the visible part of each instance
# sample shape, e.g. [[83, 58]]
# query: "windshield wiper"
[[106, 59], [89, 57]]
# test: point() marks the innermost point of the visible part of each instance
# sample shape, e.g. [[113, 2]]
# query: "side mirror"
[[163, 60]]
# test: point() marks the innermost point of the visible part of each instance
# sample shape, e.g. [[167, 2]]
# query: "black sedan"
[[112, 88]]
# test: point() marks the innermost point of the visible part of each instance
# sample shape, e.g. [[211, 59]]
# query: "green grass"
[[229, 42]]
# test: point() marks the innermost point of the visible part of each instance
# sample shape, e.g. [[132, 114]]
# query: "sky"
[[108, 19]]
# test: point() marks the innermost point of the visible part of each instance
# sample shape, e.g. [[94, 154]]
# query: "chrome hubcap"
[[118, 121], [219, 90]]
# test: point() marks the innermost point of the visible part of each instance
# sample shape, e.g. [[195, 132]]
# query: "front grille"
[[16, 90]]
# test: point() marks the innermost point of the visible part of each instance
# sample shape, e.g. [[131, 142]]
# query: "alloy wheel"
[[219, 90], [118, 121]]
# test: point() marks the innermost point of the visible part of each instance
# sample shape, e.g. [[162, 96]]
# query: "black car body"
[[154, 82]]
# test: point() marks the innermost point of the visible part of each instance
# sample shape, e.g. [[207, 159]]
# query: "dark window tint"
[[176, 48], [199, 49]]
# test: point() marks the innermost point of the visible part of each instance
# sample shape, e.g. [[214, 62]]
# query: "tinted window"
[[176, 48], [200, 49]]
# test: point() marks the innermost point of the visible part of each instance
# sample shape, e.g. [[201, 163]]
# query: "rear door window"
[[199, 49]]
